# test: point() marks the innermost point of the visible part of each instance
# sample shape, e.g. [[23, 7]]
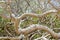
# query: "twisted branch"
[[37, 15], [33, 28]]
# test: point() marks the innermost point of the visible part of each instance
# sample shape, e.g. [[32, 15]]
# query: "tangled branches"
[[33, 27]]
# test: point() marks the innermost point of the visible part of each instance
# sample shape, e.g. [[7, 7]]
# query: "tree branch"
[[37, 15], [17, 19], [35, 27]]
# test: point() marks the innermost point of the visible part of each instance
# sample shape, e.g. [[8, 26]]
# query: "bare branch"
[[35, 27], [37, 15], [16, 20]]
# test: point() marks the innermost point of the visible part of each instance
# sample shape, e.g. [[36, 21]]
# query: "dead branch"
[[16, 20], [28, 14], [37, 15], [35, 27]]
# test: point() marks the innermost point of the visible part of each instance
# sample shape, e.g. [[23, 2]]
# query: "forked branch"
[[33, 28]]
